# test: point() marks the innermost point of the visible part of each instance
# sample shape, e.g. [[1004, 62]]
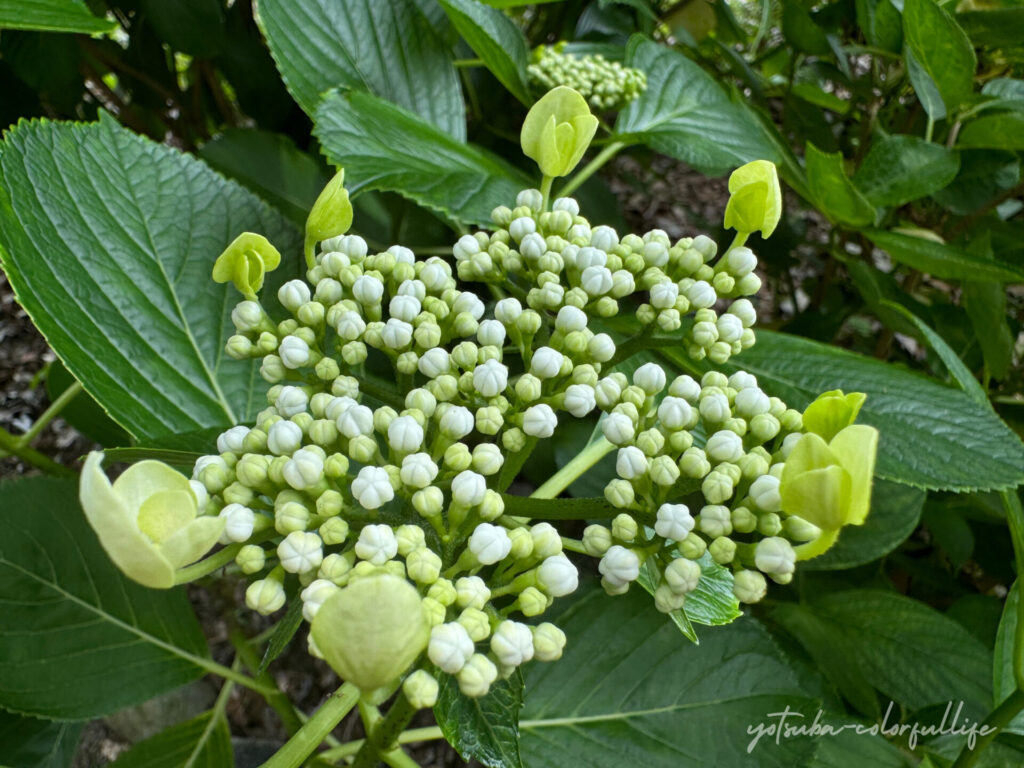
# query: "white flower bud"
[[337, 406], [619, 566], [466, 248], [715, 408], [596, 281], [418, 470], [291, 401], [764, 492], [601, 347], [749, 586], [539, 421], [724, 445], [715, 520], [631, 463], [580, 400], [685, 387], [293, 295], [377, 544], [367, 290], [775, 556], [356, 420], [231, 440], [664, 295], [457, 422], [532, 246], [682, 575], [434, 362], [201, 494], [284, 438], [248, 316], [607, 392], [293, 351], [618, 428], [558, 576], [744, 310], [674, 521], [570, 319], [491, 333], [487, 458], [450, 647], [405, 434], [512, 643], [730, 328], [750, 402], [315, 595], [521, 227], [372, 487], [674, 412], [404, 307], [265, 596], [740, 261], [476, 676], [468, 489], [650, 377], [507, 311], [491, 378], [421, 689], [589, 256], [239, 521], [546, 363], [604, 238], [300, 552], [396, 334], [701, 295], [472, 592], [304, 469], [489, 543], [467, 301], [349, 325]]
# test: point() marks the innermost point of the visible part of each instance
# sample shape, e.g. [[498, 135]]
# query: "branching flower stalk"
[[383, 510]]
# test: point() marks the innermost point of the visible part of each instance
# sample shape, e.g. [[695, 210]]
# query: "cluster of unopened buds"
[[606, 85], [382, 509]]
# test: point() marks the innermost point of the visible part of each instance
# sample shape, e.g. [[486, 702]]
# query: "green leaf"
[[985, 304], [108, 240], [630, 691], [385, 47], [594, 508], [271, 166], [28, 742], [941, 260], [195, 27], [52, 16], [78, 639], [899, 169], [950, 532], [284, 631], [712, 603], [496, 39], [384, 147], [801, 32], [484, 729], [1002, 131], [831, 190], [203, 742], [907, 650], [881, 24], [895, 513], [926, 89], [932, 436], [83, 413], [994, 27], [1003, 680], [942, 49], [686, 114]]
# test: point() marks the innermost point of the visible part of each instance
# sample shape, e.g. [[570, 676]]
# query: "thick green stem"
[[385, 733], [312, 734], [1015, 519], [565, 477], [278, 701], [50, 413], [218, 559], [998, 719], [545, 191], [350, 748], [11, 446], [740, 239], [591, 168], [309, 249]]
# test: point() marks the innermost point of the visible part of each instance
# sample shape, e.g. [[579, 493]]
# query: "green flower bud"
[[692, 547], [409, 538], [291, 517], [532, 602], [557, 131], [476, 624], [514, 440], [457, 457], [428, 502], [420, 689], [327, 369], [335, 567], [335, 466], [250, 559], [489, 420], [492, 507], [596, 540], [743, 520], [624, 528], [334, 531], [667, 601], [331, 214], [433, 609], [693, 463], [619, 493], [717, 487], [798, 529], [749, 586], [443, 591], [664, 471], [476, 677], [682, 575], [371, 631], [769, 524], [723, 550], [363, 449], [680, 441], [423, 565], [245, 262]]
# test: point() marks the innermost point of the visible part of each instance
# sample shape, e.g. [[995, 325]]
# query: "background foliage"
[[152, 132]]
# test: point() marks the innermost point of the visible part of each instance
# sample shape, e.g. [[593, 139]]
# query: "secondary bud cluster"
[[606, 85], [561, 263]]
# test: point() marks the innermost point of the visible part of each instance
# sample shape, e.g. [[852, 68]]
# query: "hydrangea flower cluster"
[[606, 85], [381, 508]]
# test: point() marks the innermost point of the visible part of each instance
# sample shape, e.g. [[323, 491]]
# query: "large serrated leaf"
[[941, 48], [385, 47], [487, 728], [202, 742], [630, 691], [686, 114], [899, 169], [941, 260], [382, 146], [52, 16], [78, 640], [496, 39], [28, 742], [832, 191], [933, 436], [592, 508], [108, 240]]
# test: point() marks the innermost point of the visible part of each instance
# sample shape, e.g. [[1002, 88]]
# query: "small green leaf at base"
[[484, 729]]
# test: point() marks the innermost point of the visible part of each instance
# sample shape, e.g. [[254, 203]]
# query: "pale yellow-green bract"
[[245, 262], [557, 131], [755, 203]]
